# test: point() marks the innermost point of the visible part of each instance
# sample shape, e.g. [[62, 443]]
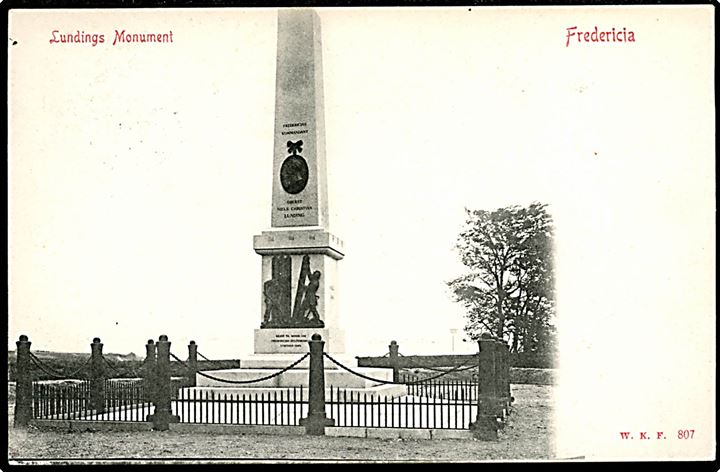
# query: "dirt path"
[[527, 436]]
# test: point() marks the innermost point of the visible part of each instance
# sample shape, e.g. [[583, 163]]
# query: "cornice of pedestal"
[[299, 240]]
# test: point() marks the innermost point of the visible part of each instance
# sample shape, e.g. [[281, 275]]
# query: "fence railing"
[[278, 408], [123, 401], [64, 401], [460, 390], [353, 409], [430, 400]]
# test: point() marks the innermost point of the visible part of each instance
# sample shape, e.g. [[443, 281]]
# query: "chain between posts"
[[416, 366], [241, 382], [38, 363], [205, 358], [454, 369]]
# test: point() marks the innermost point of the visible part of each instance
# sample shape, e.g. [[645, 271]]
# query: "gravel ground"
[[527, 436]]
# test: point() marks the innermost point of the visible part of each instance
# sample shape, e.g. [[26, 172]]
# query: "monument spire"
[[299, 254], [300, 183]]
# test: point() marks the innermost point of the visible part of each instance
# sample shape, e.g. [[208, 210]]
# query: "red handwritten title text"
[[599, 36], [119, 37]]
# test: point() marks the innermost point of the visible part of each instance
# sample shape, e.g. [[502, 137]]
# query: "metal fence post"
[[97, 377], [485, 425], [394, 360], [162, 417], [23, 383], [192, 364], [316, 420]]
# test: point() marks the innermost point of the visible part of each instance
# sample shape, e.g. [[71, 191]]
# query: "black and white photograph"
[[335, 234]]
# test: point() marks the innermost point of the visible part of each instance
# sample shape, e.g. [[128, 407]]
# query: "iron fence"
[[61, 401], [455, 390], [122, 401], [277, 408], [432, 400], [411, 411], [125, 400], [451, 407]]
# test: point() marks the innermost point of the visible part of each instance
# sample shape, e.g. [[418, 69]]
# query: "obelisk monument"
[[298, 287], [299, 254]]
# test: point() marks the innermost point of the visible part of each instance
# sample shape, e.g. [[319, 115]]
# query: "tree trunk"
[[501, 314]]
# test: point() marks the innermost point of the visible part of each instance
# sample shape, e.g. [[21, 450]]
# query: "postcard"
[[457, 233]]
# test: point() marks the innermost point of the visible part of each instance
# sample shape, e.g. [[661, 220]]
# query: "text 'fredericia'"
[[597, 36]]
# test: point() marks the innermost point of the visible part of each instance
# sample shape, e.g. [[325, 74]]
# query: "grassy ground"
[[528, 435]]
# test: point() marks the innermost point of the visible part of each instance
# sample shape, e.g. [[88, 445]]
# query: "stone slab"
[[78, 425], [346, 431], [299, 241], [295, 340], [335, 431], [395, 433], [238, 429]]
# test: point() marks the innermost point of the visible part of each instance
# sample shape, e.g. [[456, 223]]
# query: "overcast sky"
[[140, 173]]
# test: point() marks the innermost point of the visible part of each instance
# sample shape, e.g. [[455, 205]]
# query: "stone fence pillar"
[[485, 425], [395, 360], [23, 385], [97, 377], [163, 416], [192, 364], [316, 420]]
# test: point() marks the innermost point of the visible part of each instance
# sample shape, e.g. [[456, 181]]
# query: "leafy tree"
[[509, 289]]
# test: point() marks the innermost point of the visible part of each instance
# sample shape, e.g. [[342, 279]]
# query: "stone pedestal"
[[291, 258]]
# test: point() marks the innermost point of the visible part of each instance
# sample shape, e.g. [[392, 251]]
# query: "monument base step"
[[292, 378], [280, 361], [276, 393]]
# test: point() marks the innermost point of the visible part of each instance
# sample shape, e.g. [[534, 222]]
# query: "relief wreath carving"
[[294, 171]]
